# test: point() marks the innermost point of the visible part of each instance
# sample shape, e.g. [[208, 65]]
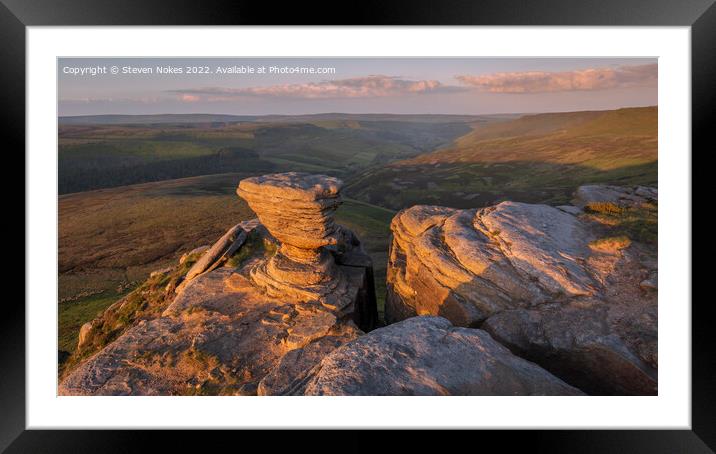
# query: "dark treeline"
[[86, 175]]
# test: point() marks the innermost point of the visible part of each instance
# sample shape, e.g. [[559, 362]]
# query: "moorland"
[[137, 192]]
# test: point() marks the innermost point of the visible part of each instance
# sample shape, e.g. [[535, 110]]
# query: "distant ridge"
[[145, 119], [209, 118]]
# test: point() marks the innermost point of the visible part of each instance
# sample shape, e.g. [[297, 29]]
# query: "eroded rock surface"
[[297, 209], [541, 279], [429, 356], [467, 265], [227, 332], [220, 336], [196, 251]]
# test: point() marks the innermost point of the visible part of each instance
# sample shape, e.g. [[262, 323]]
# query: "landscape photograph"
[[357, 226]]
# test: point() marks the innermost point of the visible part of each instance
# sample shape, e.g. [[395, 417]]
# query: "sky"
[[292, 86]]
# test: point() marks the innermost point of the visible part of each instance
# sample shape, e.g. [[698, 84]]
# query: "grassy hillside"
[[536, 158]]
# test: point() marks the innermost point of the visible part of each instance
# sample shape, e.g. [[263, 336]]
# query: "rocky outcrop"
[[298, 209], [220, 336], [542, 280], [467, 265], [84, 333], [296, 367], [224, 247], [247, 317], [514, 299], [429, 356]]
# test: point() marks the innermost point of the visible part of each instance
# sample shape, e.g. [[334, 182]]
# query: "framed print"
[[415, 218]]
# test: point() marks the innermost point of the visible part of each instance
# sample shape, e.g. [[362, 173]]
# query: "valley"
[[104, 154], [537, 159]]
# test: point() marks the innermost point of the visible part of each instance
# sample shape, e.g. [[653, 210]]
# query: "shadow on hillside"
[[104, 173], [471, 185]]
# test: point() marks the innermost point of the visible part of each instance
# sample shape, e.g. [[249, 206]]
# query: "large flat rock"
[[429, 356]]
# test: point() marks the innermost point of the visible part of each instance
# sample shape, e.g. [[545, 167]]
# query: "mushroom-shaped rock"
[[297, 209]]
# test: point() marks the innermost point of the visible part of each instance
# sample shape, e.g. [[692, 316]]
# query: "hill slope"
[[536, 158]]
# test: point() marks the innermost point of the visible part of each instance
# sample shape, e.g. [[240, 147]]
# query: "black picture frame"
[[699, 15]]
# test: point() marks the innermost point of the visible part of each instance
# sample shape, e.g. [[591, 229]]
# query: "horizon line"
[[353, 113]]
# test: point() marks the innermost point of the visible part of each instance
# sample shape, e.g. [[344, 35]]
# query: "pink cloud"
[[189, 98], [577, 80], [358, 87]]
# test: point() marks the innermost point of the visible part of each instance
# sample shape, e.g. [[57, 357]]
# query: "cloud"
[[189, 98], [577, 80], [357, 87]]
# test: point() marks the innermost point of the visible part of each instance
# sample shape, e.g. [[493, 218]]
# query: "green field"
[[72, 315]]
